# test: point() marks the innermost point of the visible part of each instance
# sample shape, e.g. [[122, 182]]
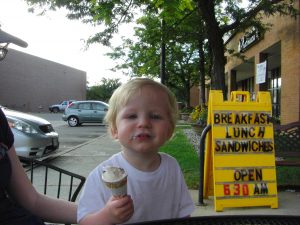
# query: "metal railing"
[[52, 177]]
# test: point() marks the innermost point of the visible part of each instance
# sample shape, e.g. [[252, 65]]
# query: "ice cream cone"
[[115, 179]]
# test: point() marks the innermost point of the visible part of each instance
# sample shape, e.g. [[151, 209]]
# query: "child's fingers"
[[125, 213], [121, 202], [123, 208]]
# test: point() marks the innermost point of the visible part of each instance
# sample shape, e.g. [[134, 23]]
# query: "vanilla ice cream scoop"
[[113, 174], [115, 179]]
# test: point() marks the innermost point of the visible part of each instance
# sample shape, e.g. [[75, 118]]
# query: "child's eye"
[[131, 116], [155, 116]]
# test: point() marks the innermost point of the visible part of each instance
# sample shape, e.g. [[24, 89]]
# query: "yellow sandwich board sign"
[[239, 156]]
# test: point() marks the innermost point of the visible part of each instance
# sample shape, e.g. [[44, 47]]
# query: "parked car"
[[35, 137], [80, 112], [60, 107]]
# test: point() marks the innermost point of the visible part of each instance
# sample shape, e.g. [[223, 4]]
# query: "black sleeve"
[[6, 135]]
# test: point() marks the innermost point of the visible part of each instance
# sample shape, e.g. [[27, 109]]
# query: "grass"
[[180, 148]]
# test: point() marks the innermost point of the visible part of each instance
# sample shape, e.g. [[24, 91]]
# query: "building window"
[[274, 86]]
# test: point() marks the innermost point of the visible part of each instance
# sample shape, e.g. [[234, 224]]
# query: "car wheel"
[[73, 121], [55, 110]]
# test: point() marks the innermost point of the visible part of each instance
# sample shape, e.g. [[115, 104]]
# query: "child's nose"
[[144, 121]]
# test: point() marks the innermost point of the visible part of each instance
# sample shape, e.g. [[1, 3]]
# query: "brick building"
[[280, 49], [31, 84]]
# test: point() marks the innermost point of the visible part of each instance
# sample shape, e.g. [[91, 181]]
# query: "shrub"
[[199, 115]]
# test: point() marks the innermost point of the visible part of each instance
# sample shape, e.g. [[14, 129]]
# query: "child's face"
[[144, 124]]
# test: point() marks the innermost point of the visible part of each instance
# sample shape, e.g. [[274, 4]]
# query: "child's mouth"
[[143, 136]]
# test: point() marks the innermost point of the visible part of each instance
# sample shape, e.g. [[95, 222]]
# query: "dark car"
[[35, 137], [80, 112]]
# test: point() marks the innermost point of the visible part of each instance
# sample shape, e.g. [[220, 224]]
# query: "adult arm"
[[49, 209]]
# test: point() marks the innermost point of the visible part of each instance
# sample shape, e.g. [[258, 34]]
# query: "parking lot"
[[70, 137]]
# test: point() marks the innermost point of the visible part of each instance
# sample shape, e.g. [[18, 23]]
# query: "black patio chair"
[[52, 180]]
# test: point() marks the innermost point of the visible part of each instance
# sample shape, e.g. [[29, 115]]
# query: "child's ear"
[[170, 132], [114, 132]]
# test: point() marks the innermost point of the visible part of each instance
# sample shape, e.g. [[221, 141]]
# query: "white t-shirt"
[[161, 194]]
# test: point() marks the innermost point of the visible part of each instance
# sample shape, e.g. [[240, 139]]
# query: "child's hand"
[[116, 210], [119, 210]]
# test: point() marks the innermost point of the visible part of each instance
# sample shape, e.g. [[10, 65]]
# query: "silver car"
[[34, 136], [60, 107], [89, 111]]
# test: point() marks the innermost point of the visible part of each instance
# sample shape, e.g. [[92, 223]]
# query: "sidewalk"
[[83, 158]]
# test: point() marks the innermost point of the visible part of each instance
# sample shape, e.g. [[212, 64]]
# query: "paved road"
[[70, 137]]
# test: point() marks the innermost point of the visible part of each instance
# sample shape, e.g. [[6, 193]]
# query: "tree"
[[237, 18], [113, 13], [104, 91], [143, 56], [109, 13], [221, 17]]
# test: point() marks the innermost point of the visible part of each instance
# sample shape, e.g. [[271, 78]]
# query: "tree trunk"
[[163, 55], [201, 59], [187, 94], [201, 71], [215, 38]]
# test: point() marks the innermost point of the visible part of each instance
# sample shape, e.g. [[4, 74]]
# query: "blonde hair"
[[122, 94]]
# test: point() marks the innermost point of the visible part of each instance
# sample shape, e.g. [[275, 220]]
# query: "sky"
[[56, 38]]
